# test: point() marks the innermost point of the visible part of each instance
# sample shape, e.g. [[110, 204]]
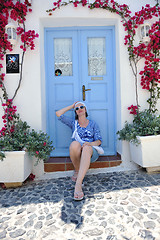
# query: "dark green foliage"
[[144, 124], [37, 144]]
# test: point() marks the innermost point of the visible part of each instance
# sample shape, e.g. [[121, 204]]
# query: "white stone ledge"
[[62, 174]]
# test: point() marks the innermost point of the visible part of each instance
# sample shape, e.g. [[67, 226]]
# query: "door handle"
[[83, 91]]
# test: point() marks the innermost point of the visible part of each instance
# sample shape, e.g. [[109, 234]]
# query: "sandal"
[[74, 177], [78, 196]]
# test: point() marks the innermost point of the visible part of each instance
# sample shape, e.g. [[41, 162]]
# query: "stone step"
[[55, 164]]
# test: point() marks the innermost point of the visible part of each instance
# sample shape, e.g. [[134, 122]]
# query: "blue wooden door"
[[80, 66]]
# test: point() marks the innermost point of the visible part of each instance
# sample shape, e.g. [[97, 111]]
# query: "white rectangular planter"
[[16, 167], [147, 153], [37, 169]]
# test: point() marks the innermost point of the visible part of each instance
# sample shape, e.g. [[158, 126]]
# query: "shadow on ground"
[[61, 190]]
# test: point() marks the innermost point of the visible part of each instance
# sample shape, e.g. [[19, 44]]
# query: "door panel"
[[77, 57], [62, 89], [100, 99], [100, 88]]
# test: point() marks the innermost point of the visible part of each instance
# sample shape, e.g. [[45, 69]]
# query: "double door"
[[80, 66]]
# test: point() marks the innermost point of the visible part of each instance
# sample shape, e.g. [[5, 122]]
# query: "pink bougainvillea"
[[15, 134], [16, 11], [133, 109], [27, 38], [8, 117]]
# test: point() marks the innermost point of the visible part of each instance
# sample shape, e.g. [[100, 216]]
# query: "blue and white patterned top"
[[89, 134]]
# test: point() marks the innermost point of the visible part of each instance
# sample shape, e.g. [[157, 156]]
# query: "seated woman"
[[85, 139]]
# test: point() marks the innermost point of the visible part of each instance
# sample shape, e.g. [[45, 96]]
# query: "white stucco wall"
[[30, 100]]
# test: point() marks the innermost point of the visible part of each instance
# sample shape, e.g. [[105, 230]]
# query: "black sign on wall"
[[12, 63]]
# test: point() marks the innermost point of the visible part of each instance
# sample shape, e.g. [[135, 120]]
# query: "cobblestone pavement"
[[117, 206]]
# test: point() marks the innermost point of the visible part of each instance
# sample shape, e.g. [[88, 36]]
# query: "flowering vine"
[[150, 52], [15, 11]]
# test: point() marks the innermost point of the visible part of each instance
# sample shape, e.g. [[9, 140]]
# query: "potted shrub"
[[18, 146], [143, 134]]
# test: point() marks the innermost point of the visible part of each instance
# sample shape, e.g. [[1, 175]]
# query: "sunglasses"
[[81, 107]]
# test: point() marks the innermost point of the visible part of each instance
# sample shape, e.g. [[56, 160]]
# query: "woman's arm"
[[95, 143], [63, 110]]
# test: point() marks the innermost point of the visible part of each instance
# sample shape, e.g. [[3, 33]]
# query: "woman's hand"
[[73, 105], [63, 110], [95, 143], [86, 144]]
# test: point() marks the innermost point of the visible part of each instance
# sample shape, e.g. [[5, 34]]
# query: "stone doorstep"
[[56, 164], [64, 164]]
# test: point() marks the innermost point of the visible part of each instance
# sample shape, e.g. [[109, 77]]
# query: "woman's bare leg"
[[84, 166], [75, 154]]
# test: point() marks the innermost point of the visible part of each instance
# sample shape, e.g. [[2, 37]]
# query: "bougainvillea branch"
[[17, 12], [149, 52], [27, 39]]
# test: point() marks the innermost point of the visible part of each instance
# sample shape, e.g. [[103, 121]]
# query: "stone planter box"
[[15, 168], [147, 153], [37, 169]]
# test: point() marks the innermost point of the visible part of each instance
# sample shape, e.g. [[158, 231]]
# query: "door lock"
[[83, 91]]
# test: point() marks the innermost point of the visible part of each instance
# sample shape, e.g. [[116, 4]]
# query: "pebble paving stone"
[[117, 206]]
